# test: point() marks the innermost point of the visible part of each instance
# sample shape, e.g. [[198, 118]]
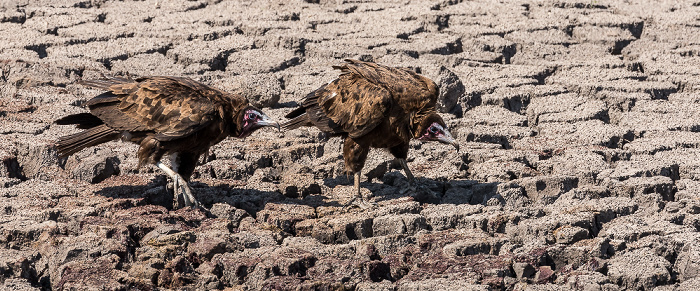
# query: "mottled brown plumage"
[[165, 116], [373, 106]]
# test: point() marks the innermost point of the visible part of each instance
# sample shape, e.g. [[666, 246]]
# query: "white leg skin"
[[175, 165], [188, 197]]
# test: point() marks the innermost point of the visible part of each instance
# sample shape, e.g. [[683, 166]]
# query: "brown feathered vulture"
[[374, 106], [171, 116]]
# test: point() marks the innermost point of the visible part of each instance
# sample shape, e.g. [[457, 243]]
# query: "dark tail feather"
[[297, 122], [296, 112], [81, 120], [70, 144], [105, 83]]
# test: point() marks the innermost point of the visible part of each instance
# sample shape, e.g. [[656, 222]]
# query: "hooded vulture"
[[374, 106], [171, 116]]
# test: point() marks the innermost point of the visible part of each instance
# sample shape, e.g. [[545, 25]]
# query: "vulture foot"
[[360, 201], [181, 187], [409, 175]]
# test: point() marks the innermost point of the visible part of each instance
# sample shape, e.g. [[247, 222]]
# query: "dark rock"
[[93, 166]]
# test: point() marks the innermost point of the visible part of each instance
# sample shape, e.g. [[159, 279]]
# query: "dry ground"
[[578, 122]]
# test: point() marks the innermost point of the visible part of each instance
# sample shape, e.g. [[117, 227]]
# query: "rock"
[[18, 285], [639, 269], [229, 212], [473, 246], [544, 274], [637, 186], [93, 166], [688, 263], [97, 272], [340, 229], [523, 270], [545, 228], [258, 61], [587, 281], [262, 90], [564, 108], [450, 87], [284, 215], [568, 235], [451, 216], [298, 181], [398, 224], [37, 159], [440, 284], [547, 189]]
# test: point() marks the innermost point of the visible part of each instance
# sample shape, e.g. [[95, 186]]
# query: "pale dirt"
[[578, 123]]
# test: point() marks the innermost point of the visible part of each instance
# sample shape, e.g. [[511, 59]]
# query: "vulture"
[[172, 116], [373, 106]]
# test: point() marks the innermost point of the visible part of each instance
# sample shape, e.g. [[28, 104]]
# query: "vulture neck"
[[421, 120], [236, 121], [232, 110]]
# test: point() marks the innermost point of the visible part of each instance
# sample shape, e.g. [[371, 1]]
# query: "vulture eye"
[[252, 115], [433, 129]]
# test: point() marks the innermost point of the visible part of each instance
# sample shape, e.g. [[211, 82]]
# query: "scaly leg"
[[357, 185], [186, 192], [360, 201], [175, 166], [409, 175]]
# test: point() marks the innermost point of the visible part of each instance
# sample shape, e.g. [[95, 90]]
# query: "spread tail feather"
[[81, 120], [105, 83], [297, 122], [70, 144]]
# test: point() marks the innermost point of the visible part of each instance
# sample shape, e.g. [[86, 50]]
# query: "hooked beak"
[[447, 138], [266, 121]]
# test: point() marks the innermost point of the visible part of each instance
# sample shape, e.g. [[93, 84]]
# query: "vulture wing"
[[353, 104], [361, 98], [409, 90], [171, 107]]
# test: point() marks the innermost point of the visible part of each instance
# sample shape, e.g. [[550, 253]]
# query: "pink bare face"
[[253, 120], [433, 132], [436, 132]]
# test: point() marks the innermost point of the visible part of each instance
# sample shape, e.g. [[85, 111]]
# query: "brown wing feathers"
[[353, 104], [168, 107], [105, 83]]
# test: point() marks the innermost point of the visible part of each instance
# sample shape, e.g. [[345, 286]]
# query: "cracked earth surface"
[[578, 123]]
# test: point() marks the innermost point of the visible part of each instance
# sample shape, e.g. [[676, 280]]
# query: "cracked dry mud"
[[578, 123]]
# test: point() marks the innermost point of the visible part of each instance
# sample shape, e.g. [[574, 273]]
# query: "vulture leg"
[[179, 181], [355, 156], [357, 185], [175, 166], [401, 153], [359, 201], [409, 175]]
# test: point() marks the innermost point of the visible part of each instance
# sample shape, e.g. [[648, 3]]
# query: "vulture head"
[[433, 128], [253, 119]]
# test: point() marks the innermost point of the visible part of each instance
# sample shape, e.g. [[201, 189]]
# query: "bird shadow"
[[208, 192], [394, 185]]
